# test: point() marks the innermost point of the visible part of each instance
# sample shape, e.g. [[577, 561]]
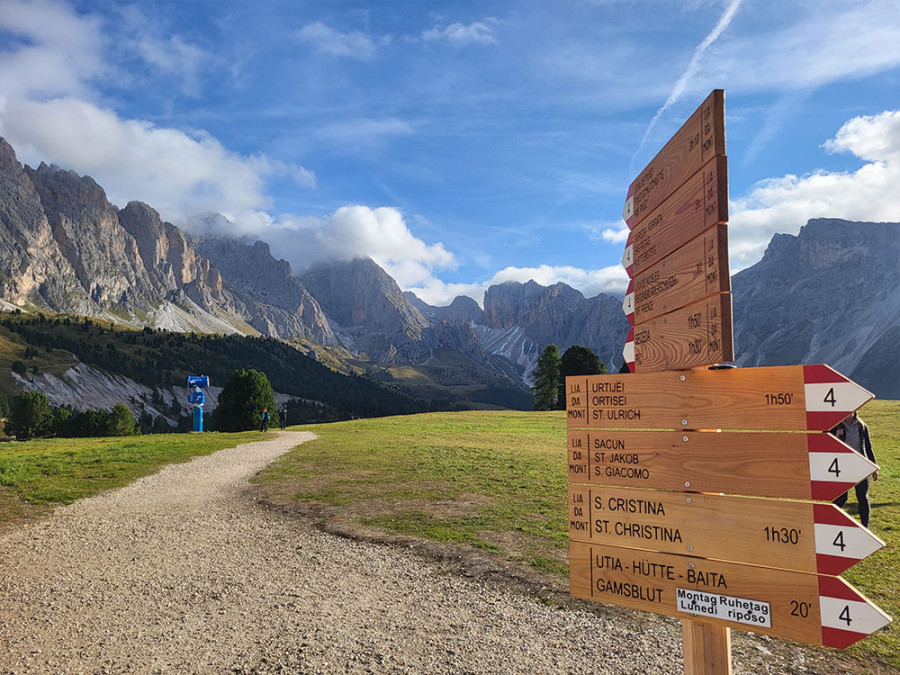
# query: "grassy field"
[[37, 475], [495, 481]]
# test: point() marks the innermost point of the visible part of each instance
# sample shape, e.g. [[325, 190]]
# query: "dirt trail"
[[184, 572]]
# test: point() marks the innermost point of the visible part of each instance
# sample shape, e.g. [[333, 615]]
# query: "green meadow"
[[495, 481]]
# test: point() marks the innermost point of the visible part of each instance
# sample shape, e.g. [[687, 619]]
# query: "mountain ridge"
[[65, 248]]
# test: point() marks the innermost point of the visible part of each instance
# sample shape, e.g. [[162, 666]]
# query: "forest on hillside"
[[162, 359]]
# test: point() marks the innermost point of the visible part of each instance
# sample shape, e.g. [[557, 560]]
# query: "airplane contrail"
[[691, 70]]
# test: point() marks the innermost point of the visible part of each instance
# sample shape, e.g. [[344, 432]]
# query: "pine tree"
[[546, 378], [30, 416], [242, 401], [577, 360]]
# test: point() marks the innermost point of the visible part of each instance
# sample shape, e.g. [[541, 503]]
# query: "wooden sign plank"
[[792, 466], [771, 398], [696, 206], [699, 334], [695, 271], [802, 536], [699, 139], [818, 610]]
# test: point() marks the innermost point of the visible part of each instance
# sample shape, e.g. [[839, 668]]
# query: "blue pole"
[[198, 418]]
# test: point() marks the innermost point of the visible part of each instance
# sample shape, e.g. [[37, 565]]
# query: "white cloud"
[[327, 40], [460, 35], [615, 235], [56, 51], [786, 204], [176, 173], [359, 231]]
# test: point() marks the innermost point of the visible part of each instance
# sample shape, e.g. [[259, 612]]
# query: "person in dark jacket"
[[855, 433], [282, 416]]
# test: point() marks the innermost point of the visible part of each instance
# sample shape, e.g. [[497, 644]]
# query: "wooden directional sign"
[[793, 466], [695, 271], [801, 536], [697, 334], [771, 398], [695, 207], [698, 140], [818, 610]]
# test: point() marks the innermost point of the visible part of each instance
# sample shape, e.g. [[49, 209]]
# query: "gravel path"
[[182, 572]]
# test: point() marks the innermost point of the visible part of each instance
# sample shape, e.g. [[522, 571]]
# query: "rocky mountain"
[[265, 291], [829, 295]]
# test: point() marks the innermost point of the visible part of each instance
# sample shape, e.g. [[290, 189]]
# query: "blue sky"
[[458, 144]]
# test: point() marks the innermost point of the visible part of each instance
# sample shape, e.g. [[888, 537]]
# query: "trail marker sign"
[[699, 139], [692, 273], [800, 536], [790, 466], [818, 610], [771, 398], [642, 448]]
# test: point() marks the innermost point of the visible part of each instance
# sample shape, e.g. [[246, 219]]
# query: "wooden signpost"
[[789, 466], [808, 608], [698, 205], [650, 453], [694, 335], [698, 140], [788, 398], [693, 272], [794, 535]]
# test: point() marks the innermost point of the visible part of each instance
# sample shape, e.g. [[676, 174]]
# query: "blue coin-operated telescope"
[[196, 384]]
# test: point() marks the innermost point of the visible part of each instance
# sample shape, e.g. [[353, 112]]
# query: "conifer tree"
[[546, 379], [577, 360]]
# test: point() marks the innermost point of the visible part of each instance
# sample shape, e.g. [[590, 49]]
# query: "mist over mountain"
[[829, 295]]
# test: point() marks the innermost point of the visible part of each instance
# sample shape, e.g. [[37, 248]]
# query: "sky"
[[458, 144]]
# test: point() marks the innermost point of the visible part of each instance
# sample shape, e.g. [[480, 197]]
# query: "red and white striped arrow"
[[846, 615], [841, 542], [628, 211], [628, 302], [628, 351], [628, 256], [830, 397], [834, 467]]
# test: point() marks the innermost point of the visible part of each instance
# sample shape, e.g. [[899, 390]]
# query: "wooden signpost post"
[[651, 453]]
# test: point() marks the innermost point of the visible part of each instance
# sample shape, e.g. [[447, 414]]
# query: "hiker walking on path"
[[264, 420], [855, 433], [282, 416]]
